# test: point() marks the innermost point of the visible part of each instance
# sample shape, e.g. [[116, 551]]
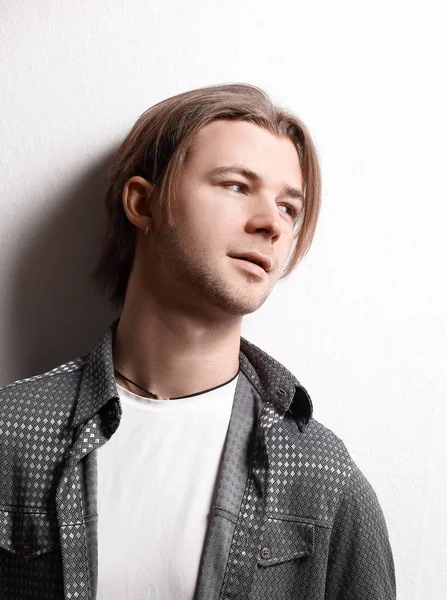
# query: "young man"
[[177, 460]]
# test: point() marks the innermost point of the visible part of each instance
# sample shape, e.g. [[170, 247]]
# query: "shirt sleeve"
[[360, 561]]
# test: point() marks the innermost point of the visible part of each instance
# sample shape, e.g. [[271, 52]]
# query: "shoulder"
[[320, 457], [317, 469], [355, 495], [327, 448], [332, 453], [54, 385]]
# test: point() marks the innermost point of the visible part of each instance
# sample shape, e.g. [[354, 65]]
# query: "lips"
[[257, 259]]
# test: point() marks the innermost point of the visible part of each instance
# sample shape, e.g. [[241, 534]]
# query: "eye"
[[292, 211], [241, 187]]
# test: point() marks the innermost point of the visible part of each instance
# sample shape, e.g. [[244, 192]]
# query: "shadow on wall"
[[56, 312]]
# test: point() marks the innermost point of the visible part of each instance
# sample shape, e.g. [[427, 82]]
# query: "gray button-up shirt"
[[293, 516]]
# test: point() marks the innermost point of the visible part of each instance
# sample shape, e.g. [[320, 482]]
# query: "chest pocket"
[[287, 560], [285, 540], [28, 534], [30, 558]]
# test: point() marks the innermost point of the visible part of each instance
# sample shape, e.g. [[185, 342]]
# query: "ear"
[[135, 201]]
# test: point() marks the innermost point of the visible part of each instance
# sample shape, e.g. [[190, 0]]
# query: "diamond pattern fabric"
[[293, 517]]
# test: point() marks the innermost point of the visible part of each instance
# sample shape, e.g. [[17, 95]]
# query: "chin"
[[230, 295], [243, 306]]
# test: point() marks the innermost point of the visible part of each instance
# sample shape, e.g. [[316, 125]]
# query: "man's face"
[[221, 214]]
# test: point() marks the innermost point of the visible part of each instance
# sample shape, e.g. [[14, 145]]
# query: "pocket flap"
[[28, 534], [285, 540]]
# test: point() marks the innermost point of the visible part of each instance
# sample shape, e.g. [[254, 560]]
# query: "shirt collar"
[[274, 382]]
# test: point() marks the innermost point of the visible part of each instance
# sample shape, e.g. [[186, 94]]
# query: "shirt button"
[[266, 553]]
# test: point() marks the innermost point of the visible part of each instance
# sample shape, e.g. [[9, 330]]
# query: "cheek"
[[202, 230], [206, 212]]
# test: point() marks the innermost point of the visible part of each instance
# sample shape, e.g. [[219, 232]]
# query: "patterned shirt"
[[292, 517]]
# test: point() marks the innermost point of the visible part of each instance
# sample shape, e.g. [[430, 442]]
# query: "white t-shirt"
[[156, 482]]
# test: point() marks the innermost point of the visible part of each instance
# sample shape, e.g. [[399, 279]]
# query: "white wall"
[[362, 322]]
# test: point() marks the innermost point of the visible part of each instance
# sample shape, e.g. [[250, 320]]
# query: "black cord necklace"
[[136, 385], [176, 397]]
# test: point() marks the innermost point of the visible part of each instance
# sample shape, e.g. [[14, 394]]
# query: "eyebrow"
[[252, 176]]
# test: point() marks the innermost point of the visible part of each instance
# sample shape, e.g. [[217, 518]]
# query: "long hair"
[[156, 149]]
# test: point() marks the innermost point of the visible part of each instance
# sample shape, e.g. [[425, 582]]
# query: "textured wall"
[[362, 322]]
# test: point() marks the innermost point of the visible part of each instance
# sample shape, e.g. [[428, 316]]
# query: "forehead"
[[238, 142]]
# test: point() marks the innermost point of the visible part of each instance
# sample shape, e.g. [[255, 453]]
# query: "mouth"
[[259, 260], [254, 267]]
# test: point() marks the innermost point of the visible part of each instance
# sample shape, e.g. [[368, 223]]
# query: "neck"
[[173, 354]]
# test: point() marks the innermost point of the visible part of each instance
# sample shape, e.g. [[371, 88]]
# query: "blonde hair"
[[156, 149]]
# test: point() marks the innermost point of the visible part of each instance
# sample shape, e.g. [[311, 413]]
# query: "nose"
[[264, 216]]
